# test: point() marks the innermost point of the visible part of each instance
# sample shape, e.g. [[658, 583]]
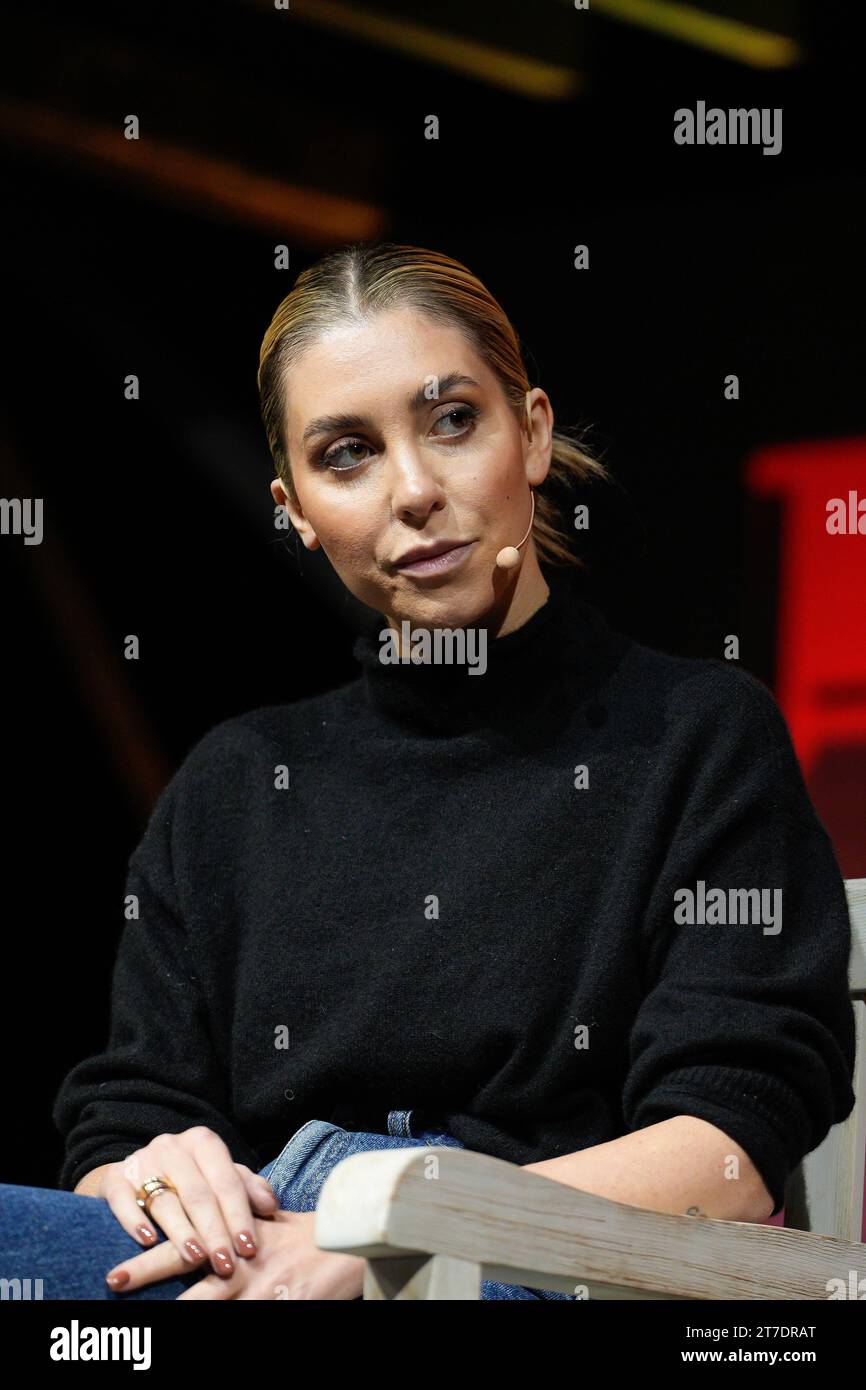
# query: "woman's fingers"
[[193, 1219], [164, 1212], [190, 1217], [227, 1184], [120, 1196], [211, 1216], [162, 1262], [261, 1195], [168, 1210]]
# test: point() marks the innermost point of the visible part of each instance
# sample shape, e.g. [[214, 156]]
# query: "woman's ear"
[[296, 517], [539, 416]]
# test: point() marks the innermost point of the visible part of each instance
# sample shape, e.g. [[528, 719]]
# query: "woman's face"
[[400, 437]]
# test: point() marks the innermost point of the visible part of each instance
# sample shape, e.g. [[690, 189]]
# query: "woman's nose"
[[415, 490]]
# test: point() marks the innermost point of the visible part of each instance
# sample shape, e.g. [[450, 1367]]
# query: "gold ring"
[[149, 1190]]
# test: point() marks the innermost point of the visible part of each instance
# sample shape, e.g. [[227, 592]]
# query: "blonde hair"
[[363, 279]]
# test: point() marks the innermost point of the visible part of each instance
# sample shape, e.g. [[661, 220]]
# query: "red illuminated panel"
[[821, 655], [821, 633]]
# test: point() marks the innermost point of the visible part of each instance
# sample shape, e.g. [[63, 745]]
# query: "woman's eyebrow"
[[328, 424]]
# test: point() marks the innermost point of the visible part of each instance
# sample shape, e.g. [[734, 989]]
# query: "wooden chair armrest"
[[403, 1209]]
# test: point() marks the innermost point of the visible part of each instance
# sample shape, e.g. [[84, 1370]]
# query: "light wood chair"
[[483, 1218]]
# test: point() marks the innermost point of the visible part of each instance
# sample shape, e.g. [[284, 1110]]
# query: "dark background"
[[306, 127]]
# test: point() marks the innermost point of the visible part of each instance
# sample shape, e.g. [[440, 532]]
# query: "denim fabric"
[[64, 1243], [69, 1242], [298, 1174]]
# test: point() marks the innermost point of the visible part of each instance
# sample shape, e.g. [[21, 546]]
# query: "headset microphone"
[[509, 556]]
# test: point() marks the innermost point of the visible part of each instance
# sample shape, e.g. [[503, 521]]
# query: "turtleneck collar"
[[537, 671]]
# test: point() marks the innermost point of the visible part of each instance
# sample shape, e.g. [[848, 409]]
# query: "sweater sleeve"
[[159, 1072], [746, 1021]]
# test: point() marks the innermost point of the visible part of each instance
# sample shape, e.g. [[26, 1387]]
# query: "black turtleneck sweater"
[[462, 895]]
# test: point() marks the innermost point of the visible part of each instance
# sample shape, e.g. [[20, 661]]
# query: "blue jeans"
[[64, 1243]]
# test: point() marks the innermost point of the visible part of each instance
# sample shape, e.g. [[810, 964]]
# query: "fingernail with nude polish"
[[246, 1242], [193, 1251], [222, 1263], [118, 1279]]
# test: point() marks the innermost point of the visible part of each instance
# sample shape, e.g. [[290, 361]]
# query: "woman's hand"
[[214, 1211], [289, 1266]]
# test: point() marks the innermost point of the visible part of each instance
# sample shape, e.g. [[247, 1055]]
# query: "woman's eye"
[[463, 416], [468, 413], [327, 460]]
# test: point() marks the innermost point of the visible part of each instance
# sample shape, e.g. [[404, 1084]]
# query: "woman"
[[545, 893]]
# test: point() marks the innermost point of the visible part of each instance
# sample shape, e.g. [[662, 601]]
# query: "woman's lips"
[[439, 563]]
